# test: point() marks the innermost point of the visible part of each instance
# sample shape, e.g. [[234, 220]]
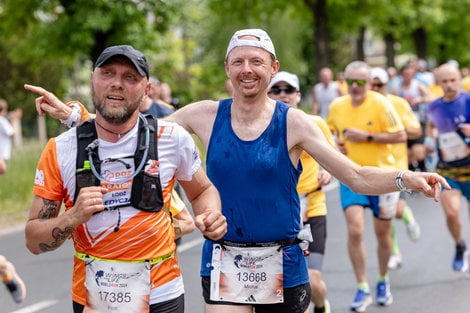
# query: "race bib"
[[388, 204], [247, 275], [118, 287], [452, 147]]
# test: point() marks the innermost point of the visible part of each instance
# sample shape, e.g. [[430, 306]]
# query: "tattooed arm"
[[46, 230]]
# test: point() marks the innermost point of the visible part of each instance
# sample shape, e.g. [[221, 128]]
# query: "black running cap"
[[135, 56]]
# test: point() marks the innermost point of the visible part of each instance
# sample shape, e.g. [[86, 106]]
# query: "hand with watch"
[[430, 184], [357, 135]]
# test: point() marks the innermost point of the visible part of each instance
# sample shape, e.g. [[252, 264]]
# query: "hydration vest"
[[146, 191]]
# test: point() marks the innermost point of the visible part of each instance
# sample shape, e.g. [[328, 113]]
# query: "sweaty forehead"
[[448, 73], [249, 52]]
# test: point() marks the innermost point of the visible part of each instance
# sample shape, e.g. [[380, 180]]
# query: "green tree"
[[46, 40]]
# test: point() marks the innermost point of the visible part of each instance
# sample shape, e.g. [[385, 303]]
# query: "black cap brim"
[[136, 57]]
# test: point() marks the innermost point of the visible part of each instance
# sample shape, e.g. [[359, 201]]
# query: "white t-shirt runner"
[[142, 235]]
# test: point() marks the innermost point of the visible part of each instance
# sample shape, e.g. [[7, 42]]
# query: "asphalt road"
[[425, 283]]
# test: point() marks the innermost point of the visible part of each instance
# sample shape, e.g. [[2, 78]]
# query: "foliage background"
[[53, 43]]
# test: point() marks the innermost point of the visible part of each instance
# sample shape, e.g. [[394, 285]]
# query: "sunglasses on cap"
[[287, 89], [359, 82]]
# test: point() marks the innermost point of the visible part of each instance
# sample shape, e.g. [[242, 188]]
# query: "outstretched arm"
[[362, 179]]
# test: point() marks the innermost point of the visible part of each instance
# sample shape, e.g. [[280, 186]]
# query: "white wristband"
[[74, 117], [400, 184]]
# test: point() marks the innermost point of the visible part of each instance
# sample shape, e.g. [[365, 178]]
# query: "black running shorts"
[[318, 228], [296, 299]]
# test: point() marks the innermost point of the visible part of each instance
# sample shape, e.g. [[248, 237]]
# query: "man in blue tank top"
[[253, 148]]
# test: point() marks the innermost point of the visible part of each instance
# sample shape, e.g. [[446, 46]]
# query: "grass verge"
[[17, 184]]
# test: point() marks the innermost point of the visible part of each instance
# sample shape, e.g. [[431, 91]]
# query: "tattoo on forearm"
[[48, 210], [59, 237]]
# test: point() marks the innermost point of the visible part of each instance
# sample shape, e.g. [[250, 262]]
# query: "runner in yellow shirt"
[[379, 80], [366, 125]]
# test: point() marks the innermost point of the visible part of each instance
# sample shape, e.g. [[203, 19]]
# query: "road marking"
[[37, 306], [188, 245]]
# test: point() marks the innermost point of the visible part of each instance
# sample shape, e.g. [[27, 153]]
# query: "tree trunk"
[[360, 44], [420, 41], [100, 43], [186, 53], [390, 49], [320, 33]]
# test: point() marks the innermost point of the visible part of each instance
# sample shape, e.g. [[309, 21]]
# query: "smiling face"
[[250, 70], [118, 90]]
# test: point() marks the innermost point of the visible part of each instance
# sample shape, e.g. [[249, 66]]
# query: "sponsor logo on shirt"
[[39, 178]]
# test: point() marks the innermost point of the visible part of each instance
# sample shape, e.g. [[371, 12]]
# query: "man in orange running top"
[[123, 237]]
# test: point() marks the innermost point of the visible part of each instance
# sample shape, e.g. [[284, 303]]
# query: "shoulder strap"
[[153, 151], [86, 134]]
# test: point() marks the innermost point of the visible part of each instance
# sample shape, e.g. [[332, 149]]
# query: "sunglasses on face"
[[287, 89], [359, 82]]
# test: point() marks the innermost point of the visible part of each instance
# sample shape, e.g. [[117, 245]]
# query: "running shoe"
[[413, 230], [395, 261], [15, 286], [460, 262], [361, 301], [383, 296]]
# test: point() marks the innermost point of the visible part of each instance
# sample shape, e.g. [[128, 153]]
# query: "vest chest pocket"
[[147, 193]]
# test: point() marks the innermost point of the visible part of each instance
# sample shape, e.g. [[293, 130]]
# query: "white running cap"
[[380, 73], [287, 77], [264, 41]]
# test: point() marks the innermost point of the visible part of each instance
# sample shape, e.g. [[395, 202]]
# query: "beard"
[[115, 115]]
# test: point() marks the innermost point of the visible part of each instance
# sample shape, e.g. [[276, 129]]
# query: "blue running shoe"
[[383, 296], [361, 301], [460, 262]]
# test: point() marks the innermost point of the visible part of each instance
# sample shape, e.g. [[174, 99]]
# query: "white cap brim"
[[287, 77]]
